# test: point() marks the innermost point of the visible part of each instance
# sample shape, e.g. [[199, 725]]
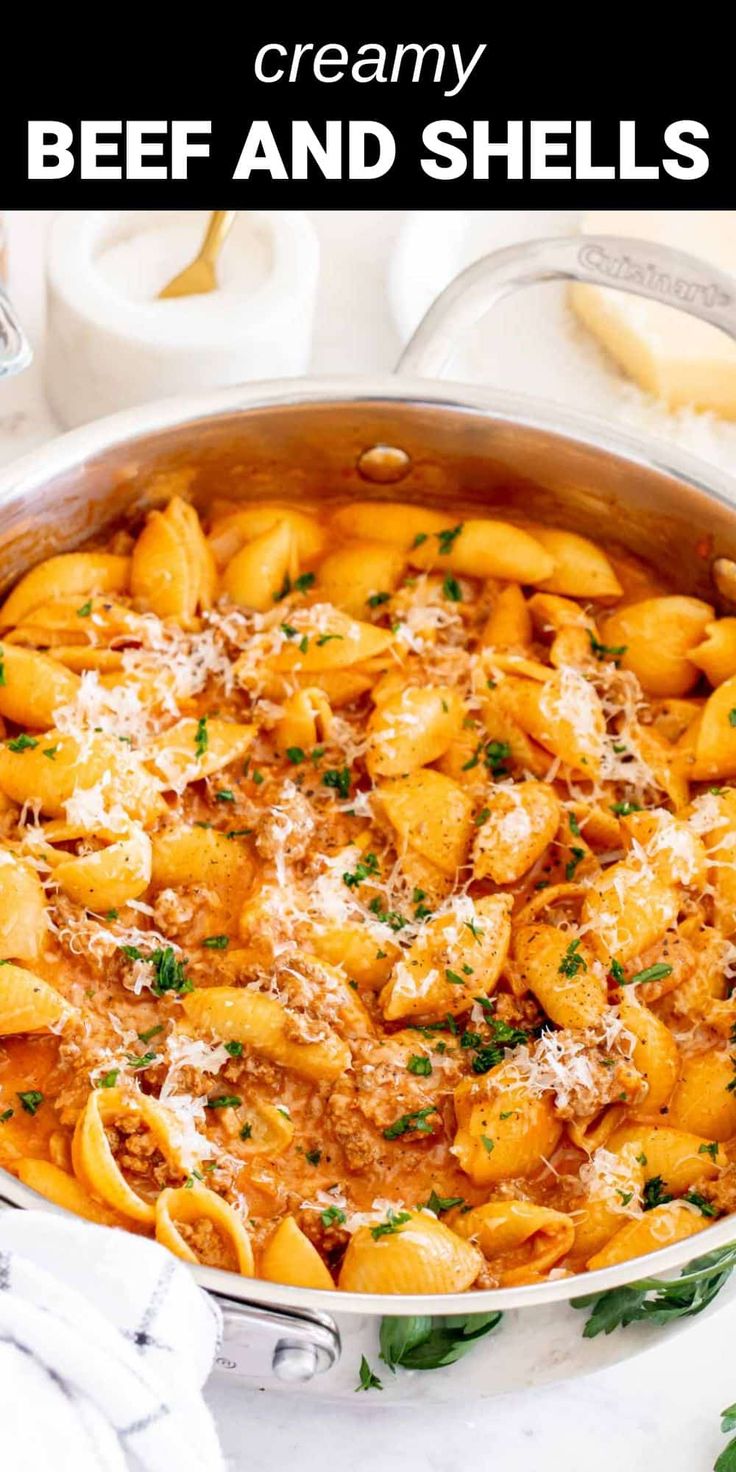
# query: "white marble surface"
[[661, 1408]]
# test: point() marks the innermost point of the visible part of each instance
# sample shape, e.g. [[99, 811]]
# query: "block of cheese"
[[670, 354]]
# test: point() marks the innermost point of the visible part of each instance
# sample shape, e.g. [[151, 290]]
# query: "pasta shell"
[[306, 720], [229, 533], [521, 822], [679, 1158], [28, 1003], [703, 1102], [509, 624], [658, 1228], [327, 639], [716, 656], [564, 715], [23, 921], [271, 1131], [540, 953], [290, 1257], [655, 1054], [262, 1023], [486, 549], [431, 815], [94, 1162], [418, 1255], [397, 522], [75, 573], [502, 1132], [715, 746], [451, 962], [192, 855], [95, 766], [109, 877], [226, 1245], [64, 1190], [581, 568], [173, 570], [525, 1239], [656, 637], [352, 575], [33, 687], [255, 576], [412, 729], [193, 749]]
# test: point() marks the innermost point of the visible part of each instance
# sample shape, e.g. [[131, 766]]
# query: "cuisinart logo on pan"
[[646, 273]]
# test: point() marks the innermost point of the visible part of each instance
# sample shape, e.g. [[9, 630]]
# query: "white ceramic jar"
[[111, 344]]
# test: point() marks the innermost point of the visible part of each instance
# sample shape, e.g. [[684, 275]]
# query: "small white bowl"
[[111, 344]]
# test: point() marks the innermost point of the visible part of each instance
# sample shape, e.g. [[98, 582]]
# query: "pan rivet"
[[383, 464], [294, 1361], [724, 576]]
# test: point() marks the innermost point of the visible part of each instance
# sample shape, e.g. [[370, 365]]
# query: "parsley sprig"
[[424, 1343], [653, 1301]]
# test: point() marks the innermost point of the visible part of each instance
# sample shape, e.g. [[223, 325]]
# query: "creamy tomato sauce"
[[367, 893]]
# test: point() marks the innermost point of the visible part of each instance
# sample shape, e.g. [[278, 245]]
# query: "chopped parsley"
[[605, 651], [420, 1064], [650, 973], [495, 755], [452, 590], [704, 1206], [709, 1148], [31, 1100], [85, 610], [216, 942], [393, 1221], [338, 778], [304, 581], [235, 1049], [576, 857], [151, 1032], [22, 743], [6, 1115], [571, 962], [201, 737], [364, 869], [622, 809], [438, 1204], [447, 538], [142, 1061], [332, 1216], [376, 599], [732, 716], [224, 1101], [313, 1156], [169, 973], [367, 1380], [654, 1193], [416, 1121], [296, 755]]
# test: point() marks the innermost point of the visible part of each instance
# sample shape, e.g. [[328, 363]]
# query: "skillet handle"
[[639, 266], [15, 351]]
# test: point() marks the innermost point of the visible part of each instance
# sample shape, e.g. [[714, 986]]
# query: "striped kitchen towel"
[[105, 1344]]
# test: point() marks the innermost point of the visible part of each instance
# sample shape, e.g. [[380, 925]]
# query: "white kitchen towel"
[[105, 1344]]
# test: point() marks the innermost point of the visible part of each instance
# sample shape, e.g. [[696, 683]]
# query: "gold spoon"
[[200, 276]]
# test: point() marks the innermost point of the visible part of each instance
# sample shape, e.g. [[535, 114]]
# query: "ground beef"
[[608, 1083], [208, 1244], [722, 1191]]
